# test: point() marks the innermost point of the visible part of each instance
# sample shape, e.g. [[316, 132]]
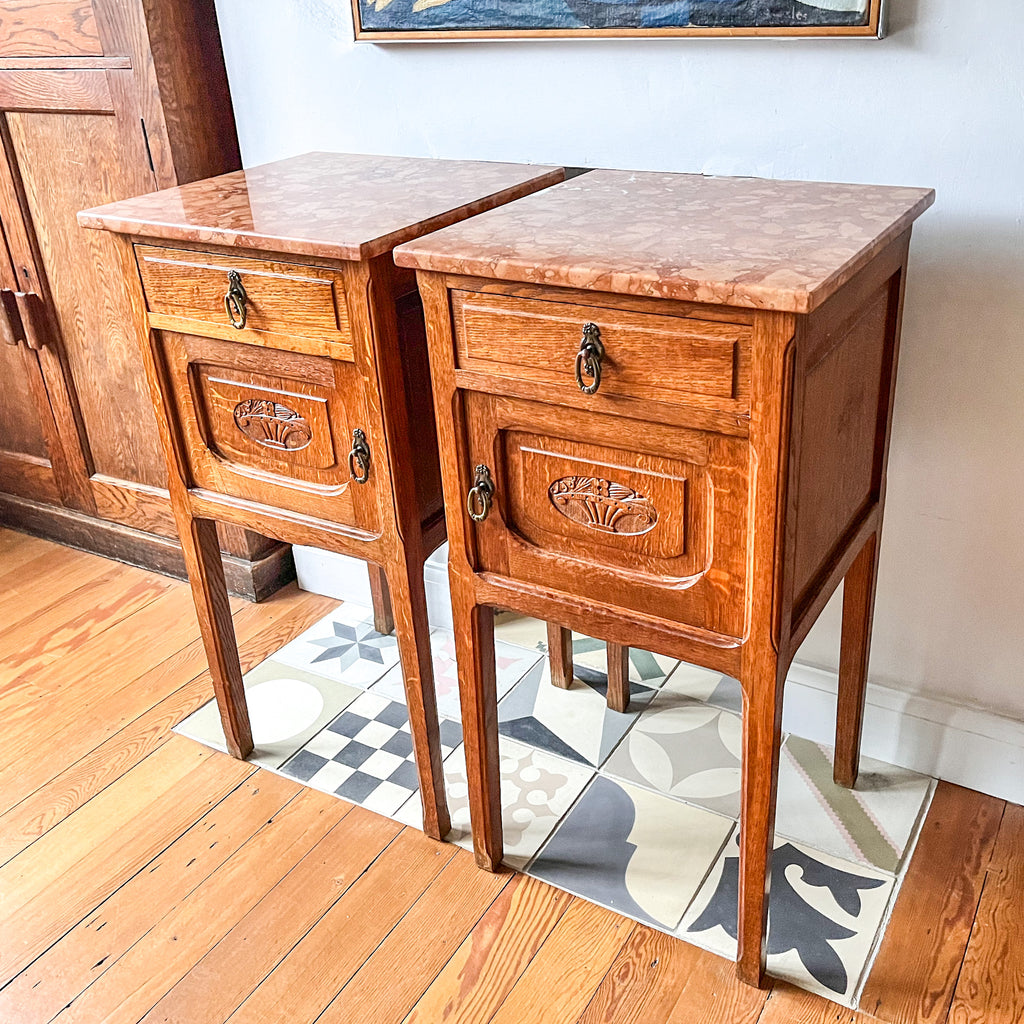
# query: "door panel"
[[48, 28], [68, 161], [649, 518], [270, 426]]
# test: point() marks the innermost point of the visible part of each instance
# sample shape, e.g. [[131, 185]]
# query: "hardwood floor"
[[146, 878]]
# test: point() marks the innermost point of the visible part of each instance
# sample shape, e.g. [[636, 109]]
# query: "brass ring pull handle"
[[359, 457], [235, 300], [588, 359], [478, 501]]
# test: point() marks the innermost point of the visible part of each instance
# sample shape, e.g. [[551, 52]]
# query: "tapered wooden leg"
[[560, 655], [201, 549], [762, 733], [383, 616], [858, 610], [474, 652], [412, 631], [618, 677]]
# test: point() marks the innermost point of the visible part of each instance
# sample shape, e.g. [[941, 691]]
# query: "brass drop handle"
[[30, 309], [588, 359], [359, 457], [7, 331], [478, 501], [235, 300]]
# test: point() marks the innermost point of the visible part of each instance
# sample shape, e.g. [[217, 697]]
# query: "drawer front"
[[272, 427], [48, 28], [649, 356], [280, 298], [651, 519]]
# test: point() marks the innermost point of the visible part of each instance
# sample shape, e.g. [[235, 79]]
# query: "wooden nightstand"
[[286, 357], [664, 405]]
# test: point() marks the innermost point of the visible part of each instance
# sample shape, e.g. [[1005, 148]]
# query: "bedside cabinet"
[[664, 405], [286, 357]]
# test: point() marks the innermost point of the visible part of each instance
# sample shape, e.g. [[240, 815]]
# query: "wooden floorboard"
[[146, 878]]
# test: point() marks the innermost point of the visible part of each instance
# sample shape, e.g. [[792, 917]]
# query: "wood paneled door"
[[99, 101]]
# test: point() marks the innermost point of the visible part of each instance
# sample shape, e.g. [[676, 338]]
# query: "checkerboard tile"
[[365, 755]]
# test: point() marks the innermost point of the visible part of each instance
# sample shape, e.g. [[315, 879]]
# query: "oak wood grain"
[[426, 936], [67, 968], [88, 855], [330, 882], [558, 983], [487, 965], [916, 968], [129, 986], [319, 965], [990, 987], [48, 27], [126, 725]]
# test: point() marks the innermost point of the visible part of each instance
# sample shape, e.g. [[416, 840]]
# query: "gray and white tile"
[[343, 646], [287, 706], [365, 755], [511, 663], [684, 749], [871, 824], [575, 723], [823, 916], [537, 789], [633, 851]]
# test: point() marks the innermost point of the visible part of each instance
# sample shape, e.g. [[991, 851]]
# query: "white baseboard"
[[967, 746], [345, 578]]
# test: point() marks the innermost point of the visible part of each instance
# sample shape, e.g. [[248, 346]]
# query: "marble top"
[[339, 205], [755, 242]]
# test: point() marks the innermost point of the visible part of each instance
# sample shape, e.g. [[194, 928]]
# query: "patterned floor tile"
[[704, 685], [684, 749], [871, 824], [365, 755], [823, 916], [636, 852], [536, 791], [588, 654], [286, 707], [574, 723], [343, 646], [511, 664]]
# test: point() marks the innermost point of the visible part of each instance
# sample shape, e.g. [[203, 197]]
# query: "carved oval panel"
[[272, 425], [603, 505]]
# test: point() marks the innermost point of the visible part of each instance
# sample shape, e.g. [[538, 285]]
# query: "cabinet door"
[[73, 139], [640, 516]]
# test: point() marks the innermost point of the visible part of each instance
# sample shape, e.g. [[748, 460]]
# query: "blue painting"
[[396, 18]]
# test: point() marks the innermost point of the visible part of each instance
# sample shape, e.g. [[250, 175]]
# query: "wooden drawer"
[[48, 28], [648, 356], [653, 519], [286, 299], [272, 427]]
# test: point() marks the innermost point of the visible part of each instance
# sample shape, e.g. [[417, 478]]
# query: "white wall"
[[940, 102]]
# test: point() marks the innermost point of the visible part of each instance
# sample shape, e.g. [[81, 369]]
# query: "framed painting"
[[393, 20]]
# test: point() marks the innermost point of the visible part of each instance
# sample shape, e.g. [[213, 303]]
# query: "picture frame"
[[467, 20]]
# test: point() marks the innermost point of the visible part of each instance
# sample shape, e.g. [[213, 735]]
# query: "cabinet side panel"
[[68, 162], [843, 415]]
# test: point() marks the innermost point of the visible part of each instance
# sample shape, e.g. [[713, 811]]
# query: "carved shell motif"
[[272, 425], [603, 505]]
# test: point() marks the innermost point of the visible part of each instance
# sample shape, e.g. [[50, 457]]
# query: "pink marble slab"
[[755, 242], [347, 206]]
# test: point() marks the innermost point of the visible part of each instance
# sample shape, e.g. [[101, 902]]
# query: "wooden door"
[[73, 139]]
